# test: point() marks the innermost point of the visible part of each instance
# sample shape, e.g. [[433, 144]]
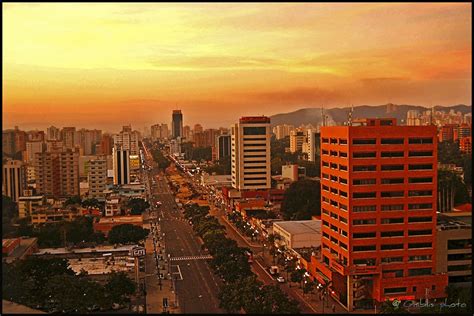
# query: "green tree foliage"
[[161, 160], [279, 156], [449, 153], [91, 203], [119, 286], [313, 169], [389, 307], [467, 163], [450, 181], [126, 234], [302, 200], [73, 201], [50, 285], [221, 167], [138, 206], [9, 208]]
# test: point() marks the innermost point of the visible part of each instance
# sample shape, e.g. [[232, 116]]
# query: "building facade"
[[379, 192], [177, 124], [14, 179], [97, 178], [250, 155], [121, 162], [297, 138]]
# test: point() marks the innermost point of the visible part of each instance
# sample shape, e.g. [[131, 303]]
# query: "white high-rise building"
[[31, 149], [127, 140], [281, 131], [312, 144], [121, 162], [250, 153]]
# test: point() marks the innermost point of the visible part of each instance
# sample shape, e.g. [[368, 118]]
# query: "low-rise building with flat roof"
[[298, 234], [18, 248], [454, 249], [105, 224]]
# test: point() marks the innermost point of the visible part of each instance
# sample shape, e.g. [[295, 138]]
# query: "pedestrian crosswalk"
[[191, 258]]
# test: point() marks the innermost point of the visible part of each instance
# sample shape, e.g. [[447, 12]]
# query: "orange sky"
[[110, 64]]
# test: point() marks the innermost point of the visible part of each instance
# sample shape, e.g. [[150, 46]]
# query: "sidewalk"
[[254, 245], [154, 296]]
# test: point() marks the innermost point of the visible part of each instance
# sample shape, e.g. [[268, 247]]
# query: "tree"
[[393, 307], [73, 201], [449, 153], [467, 163], [126, 234], [9, 208], [302, 200], [90, 203], [138, 206], [119, 287], [451, 189]]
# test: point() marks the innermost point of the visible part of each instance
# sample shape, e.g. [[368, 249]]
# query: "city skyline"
[[99, 64]]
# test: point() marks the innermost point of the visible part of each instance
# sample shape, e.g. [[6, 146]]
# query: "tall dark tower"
[[177, 124]]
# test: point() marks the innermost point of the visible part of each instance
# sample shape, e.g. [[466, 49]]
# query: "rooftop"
[[300, 227], [63, 251], [122, 219], [467, 207], [14, 308], [446, 222]]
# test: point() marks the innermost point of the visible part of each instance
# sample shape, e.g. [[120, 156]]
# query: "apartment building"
[[14, 179], [97, 178], [297, 138], [378, 191]]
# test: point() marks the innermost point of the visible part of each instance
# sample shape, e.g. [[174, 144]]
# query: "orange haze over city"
[[110, 64]]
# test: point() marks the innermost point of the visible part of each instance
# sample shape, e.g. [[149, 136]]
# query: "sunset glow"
[[94, 65]]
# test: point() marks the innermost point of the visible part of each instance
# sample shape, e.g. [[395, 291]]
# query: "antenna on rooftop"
[[349, 121], [323, 117]]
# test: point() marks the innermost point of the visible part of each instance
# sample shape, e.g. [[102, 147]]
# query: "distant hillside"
[[339, 115]]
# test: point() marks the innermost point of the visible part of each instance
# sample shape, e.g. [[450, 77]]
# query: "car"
[[281, 280]]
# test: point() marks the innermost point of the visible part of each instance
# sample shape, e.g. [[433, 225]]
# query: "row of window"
[[403, 289], [392, 220], [373, 181], [388, 260], [391, 194], [392, 207], [398, 167], [399, 233], [389, 154], [417, 245], [383, 141]]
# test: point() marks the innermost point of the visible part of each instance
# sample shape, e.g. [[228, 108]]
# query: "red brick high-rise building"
[[378, 191]]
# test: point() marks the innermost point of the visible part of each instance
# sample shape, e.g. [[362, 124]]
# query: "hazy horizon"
[[104, 65]]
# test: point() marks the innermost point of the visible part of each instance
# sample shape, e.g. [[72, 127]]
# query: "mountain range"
[[340, 115]]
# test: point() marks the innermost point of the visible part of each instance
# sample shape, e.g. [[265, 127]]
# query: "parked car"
[[281, 280]]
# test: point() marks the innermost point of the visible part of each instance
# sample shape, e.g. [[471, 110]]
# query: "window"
[[361, 154], [325, 211], [463, 267], [342, 180], [325, 176], [392, 259], [363, 248], [333, 165], [428, 153], [420, 219], [459, 244], [255, 130], [420, 193], [417, 245], [342, 154], [363, 221], [343, 219], [325, 140], [421, 167], [343, 245], [391, 194], [391, 154], [364, 208], [343, 207], [392, 234], [343, 233], [364, 195], [419, 232], [419, 271], [364, 168], [421, 140], [334, 215], [325, 199], [325, 152], [365, 262], [259, 139], [460, 256], [333, 153], [325, 164], [392, 247], [342, 141], [325, 235], [394, 290], [325, 188], [364, 235], [393, 273], [333, 178], [393, 167], [370, 141], [333, 140], [343, 167], [421, 180], [419, 258], [363, 181], [393, 181], [395, 220], [392, 141], [325, 223]]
